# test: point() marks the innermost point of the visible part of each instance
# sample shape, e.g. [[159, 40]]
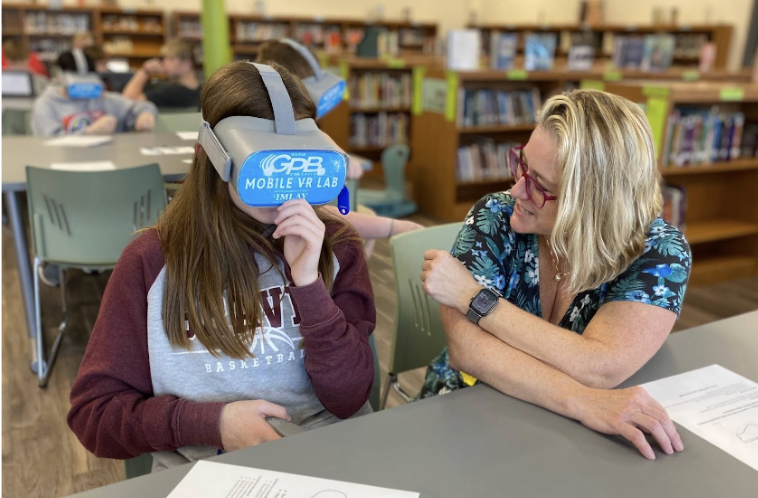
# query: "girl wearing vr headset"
[[225, 314], [369, 227]]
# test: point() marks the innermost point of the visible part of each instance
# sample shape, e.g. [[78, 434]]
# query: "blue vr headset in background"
[[270, 162], [326, 89], [82, 86]]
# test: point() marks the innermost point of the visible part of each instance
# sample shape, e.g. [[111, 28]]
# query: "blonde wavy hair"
[[609, 184]]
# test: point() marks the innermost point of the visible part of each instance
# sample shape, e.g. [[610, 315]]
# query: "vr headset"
[[270, 162], [326, 89], [82, 86]]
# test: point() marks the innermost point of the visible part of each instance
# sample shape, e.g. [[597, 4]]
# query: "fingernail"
[[679, 446]]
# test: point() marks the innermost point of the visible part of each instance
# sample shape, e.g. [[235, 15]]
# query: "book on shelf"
[[380, 90], [674, 205], [463, 49], [503, 50], [56, 23], [190, 28], [688, 45], [378, 130], [659, 52], [484, 160], [259, 32], [696, 136], [314, 33], [707, 57], [497, 107], [539, 51], [628, 52]]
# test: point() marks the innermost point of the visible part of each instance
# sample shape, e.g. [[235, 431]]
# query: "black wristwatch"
[[482, 305]]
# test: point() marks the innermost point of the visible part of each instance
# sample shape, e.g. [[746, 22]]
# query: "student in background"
[[55, 113], [183, 86], [98, 57], [75, 58], [17, 56], [274, 303], [369, 227]]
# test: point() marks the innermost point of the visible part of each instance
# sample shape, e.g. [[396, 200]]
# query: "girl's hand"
[[243, 423], [303, 234]]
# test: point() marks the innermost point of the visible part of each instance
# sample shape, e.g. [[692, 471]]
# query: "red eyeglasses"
[[534, 190]]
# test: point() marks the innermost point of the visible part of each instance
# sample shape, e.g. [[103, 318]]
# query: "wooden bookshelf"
[[133, 34], [338, 123], [720, 34], [721, 219], [186, 25]]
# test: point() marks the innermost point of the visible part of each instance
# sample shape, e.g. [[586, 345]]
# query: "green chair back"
[[394, 160], [138, 466], [16, 122], [374, 397], [87, 218], [418, 336], [179, 121]]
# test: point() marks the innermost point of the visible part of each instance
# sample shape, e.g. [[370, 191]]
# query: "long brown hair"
[[207, 242]]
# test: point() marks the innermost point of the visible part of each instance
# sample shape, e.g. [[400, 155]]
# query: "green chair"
[[179, 121], [392, 200], [16, 122], [375, 397], [84, 220], [418, 336]]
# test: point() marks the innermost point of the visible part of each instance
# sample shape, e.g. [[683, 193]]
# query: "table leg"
[[12, 201]]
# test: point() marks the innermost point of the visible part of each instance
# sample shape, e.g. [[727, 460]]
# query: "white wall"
[[450, 14]]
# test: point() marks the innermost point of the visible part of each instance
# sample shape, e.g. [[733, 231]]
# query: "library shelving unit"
[[721, 217], [686, 54], [248, 31], [132, 34], [436, 136], [367, 99]]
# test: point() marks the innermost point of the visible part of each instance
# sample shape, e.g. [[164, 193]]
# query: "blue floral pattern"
[[508, 262]]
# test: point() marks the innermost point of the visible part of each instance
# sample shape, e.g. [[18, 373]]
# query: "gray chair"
[[417, 336], [84, 220], [177, 121], [392, 200], [16, 122]]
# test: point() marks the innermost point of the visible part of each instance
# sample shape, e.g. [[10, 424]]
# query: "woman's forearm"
[[509, 370]]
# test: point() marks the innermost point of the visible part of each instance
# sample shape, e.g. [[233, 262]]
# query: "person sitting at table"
[[17, 56], [75, 58], [182, 90], [370, 227], [274, 304], [561, 288], [57, 113]]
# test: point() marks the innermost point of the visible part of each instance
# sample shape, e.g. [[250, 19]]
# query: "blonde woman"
[[587, 278]]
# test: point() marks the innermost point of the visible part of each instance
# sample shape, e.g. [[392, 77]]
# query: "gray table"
[[123, 151], [478, 442]]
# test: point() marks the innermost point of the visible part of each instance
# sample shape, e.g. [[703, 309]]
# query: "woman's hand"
[[447, 281], [630, 413], [303, 234], [243, 423]]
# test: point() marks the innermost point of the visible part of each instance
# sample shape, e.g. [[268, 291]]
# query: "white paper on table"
[[187, 135], [187, 161], [79, 140], [716, 404], [85, 166], [219, 480], [166, 150]]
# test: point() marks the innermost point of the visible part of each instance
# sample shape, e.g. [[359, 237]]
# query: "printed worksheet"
[[219, 480], [85, 166], [79, 140], [166, 150], [187, 135], [716, 404]]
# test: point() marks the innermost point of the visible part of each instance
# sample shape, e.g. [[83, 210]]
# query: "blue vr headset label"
[[268, 179], [85, 90], [330, 99]]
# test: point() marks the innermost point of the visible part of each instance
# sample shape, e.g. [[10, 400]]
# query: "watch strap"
[[473, 316]]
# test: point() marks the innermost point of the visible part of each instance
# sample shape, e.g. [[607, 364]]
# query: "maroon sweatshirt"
[[136, 393]]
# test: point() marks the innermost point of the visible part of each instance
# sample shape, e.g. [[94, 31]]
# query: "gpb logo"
[[284, 163], [334, 93]]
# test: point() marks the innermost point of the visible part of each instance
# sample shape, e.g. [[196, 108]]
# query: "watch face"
[[484, 301]]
